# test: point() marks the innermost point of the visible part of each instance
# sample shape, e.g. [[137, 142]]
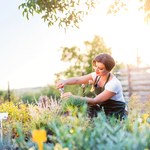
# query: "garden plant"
[[65, 125]]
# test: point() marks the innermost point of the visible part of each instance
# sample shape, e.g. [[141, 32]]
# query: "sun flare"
[[125, 33]]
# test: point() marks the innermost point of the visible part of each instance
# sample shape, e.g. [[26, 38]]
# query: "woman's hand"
[[60, 84], [66, 95]]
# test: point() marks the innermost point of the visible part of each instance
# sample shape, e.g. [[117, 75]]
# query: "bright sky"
[[29, 55]]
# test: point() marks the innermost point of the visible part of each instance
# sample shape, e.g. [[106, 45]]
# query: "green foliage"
[[98, 134], [32, 97], [93, 48], [74, 106], [41, 116], [75, 130], [121, 5], [64, 13], [8, 96], [2, 95], [21, 142], [76, 89], [69, 13], [81, 61], [29, 97], [50, 91], [73, 102]]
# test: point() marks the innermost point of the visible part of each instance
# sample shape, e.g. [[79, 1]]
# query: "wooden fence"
[[135, 81]]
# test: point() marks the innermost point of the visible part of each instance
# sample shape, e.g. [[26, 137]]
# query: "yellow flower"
[[71, 130], [59, 147], [145, 117]]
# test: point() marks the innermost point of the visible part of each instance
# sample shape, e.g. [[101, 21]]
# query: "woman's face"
[[100, 69]]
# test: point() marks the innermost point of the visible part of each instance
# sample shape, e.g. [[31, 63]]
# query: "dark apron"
[[110, 107]]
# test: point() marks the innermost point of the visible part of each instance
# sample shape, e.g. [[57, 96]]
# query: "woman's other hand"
[[66, 95]]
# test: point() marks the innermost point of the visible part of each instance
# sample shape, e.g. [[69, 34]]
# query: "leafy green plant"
[[74, 106], [75, 130]]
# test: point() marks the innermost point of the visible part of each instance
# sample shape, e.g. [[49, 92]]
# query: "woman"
[[108, 89]]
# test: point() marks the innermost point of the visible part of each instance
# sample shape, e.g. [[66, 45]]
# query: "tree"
[[66, 13], [81, 60], [118, 5]]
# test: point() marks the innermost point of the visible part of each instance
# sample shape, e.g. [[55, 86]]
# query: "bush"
[[75, 131]]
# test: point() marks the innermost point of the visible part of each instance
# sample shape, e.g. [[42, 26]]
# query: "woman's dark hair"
[[106, 59]]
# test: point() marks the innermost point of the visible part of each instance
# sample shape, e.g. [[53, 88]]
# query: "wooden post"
[[8, 93], [138, 59], [129, 81]]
